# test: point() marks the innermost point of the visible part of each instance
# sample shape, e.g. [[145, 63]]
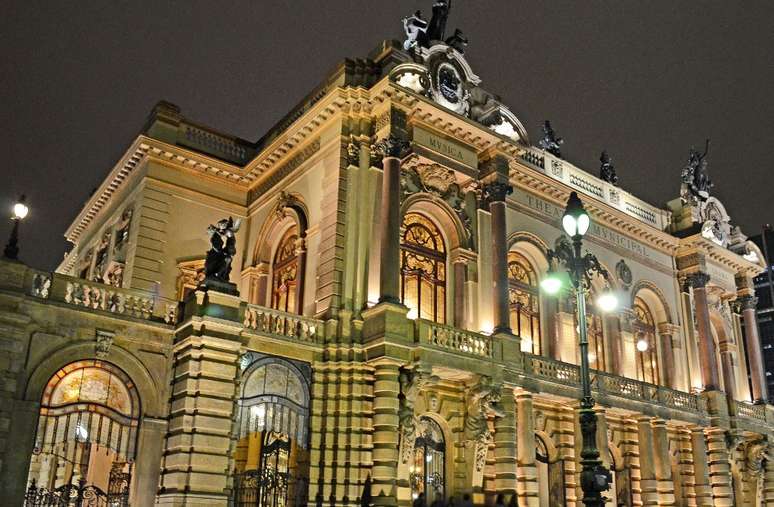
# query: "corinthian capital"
[[496, 191], [746, 302], [696, 280], [392, 146]]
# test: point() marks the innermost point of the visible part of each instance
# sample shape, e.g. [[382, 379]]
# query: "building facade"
[[764, 288], [389, 337]]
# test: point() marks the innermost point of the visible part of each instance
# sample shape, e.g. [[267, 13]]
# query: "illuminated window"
[[423, 269], [524, 303], [596, 338], [645, 339], [285, 274]]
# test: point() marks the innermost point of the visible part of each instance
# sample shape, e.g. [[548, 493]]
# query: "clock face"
[[449, 83]]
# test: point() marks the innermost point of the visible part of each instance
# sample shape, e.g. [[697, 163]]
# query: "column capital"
[[747, 302], [697, 280], [495, 191], [391, 147]]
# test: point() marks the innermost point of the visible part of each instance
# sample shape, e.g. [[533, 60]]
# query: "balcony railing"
[[750, 411], [454, 339], [99, 296], [606, 383], [284, 325]]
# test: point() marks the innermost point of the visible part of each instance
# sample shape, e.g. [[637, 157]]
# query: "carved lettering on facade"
[[445, 147]]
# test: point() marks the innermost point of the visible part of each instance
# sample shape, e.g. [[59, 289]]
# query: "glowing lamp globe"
[[20, 209], [575, 221], [607, 302], [642, 345], [551, 284]]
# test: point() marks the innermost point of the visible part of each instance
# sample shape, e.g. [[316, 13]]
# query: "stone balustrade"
[[454, 339], [284, 325], [749, 411], [99, 296], [588, 184]]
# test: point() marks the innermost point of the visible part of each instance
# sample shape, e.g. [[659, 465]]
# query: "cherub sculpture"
[[217, 265]]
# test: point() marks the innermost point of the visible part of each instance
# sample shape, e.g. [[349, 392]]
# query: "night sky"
[[644, 80]]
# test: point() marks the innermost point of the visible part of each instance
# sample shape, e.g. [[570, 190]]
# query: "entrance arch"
[[272, 452], [86, 435]]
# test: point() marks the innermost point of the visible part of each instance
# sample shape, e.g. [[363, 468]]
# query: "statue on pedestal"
[[696, 182], [217, 265], [607, 169]]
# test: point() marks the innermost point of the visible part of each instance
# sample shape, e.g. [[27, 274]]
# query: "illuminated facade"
[[390, 335]]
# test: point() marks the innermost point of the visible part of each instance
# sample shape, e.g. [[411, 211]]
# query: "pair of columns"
[[495, 190], [707, 352]]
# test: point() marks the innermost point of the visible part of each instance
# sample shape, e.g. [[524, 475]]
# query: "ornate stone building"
[[389, 337]]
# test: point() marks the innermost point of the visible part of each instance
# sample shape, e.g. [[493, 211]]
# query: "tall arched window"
[[272, 457], [594, 334], [284, 288], [524, 303], [423, 269], [429, 462], [89, 417], [645, 338], [550, 475]]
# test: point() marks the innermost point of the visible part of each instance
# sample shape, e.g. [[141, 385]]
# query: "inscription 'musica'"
[[445, 147], [608, 235]]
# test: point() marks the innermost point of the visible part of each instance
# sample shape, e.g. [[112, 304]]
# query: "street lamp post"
[[20, 211], [595, 478]]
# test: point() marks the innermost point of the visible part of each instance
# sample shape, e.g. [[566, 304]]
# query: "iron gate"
[[81, 494]]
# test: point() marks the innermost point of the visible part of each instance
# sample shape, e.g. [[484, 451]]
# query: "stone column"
[[526, 469], [505, 444], [768, 484], [663, 463], [300, 273], [197, 450], [389, 281], [709, 367], [648, 483], [752, 343], [701, 471], [460, 277], [719, 467], [386, 441], [665, 331], [495, 189], [257, 284]]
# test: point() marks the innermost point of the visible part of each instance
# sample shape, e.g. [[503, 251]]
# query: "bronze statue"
[[696, 182], [550, 142], [217, 266], [607, 169]]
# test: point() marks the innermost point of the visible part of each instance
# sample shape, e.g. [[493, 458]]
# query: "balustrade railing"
[[98, 296], [454, 339], [543, 367], [285, 325], [750, 411]]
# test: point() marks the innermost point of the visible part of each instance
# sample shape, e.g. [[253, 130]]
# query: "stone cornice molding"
[[735, 263]]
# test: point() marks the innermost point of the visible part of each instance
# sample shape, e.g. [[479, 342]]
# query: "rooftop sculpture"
[[607, 169], [696, 184], [217, 265], [551, 142]]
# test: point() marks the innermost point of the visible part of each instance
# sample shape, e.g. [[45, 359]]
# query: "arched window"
[[550, 475], [524, 303], [423, 269], [284, 289], [272, 458], [89, 417], [428, 467], [645, 340], [594, 334]]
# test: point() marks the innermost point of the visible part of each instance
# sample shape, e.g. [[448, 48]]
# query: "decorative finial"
[[607, 169], [550, 142]]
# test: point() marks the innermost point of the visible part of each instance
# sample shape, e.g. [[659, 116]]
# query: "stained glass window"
[[423, 269], [285, 273], [524, 302], [645, 333]]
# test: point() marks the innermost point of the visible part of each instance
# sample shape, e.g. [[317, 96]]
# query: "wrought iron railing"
[[454, 339], [283, 324]]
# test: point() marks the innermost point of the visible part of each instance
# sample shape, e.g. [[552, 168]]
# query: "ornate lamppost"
[[20, 211], [595, 478]]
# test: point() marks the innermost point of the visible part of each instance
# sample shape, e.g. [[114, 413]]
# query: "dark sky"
[[645, 80]]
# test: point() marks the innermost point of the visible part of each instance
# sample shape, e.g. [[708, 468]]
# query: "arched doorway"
[[428, 466], [87, 436], [272, 456]]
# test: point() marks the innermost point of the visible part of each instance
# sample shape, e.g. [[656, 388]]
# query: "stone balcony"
[[440, 345]]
